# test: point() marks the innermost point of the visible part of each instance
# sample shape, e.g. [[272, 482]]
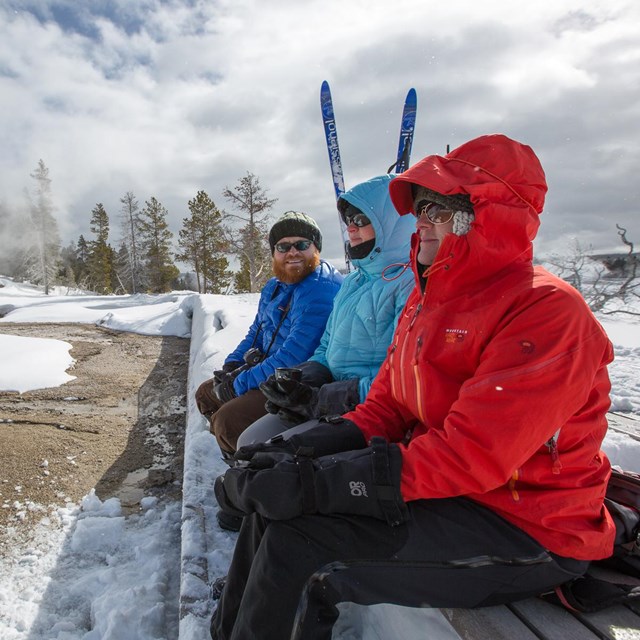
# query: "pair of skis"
[[404, 143], [331, 135]]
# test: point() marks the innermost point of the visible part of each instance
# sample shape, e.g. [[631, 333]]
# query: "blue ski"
[[406, 132], [331, 134]]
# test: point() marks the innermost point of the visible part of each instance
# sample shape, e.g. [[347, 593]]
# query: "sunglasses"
[[436, 213], [358, 219], [299, 245]]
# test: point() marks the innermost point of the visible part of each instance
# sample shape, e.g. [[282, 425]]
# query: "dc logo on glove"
[[358, 489]]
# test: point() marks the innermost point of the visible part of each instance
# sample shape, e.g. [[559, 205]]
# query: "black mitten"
[[365, 482], [280, 486]]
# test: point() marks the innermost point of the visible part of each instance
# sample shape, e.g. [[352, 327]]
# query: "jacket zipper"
[[403, 350], [552, 444], [416, 376], [392, 373]]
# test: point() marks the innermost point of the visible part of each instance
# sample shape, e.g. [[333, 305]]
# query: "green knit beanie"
[[295, 224]]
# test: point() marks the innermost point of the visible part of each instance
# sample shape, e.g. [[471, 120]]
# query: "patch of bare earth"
[[118, 427]]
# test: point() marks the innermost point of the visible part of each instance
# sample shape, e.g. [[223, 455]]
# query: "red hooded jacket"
[[496, 378]]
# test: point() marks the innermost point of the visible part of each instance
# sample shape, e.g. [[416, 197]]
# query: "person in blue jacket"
[[292, 313], [339, 374]]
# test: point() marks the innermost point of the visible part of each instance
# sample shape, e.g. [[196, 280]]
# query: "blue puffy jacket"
[[310, 303], [367, 306]]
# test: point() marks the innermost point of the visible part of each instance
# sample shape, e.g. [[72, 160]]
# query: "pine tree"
[[131, 271], [81, 269], [241, 278], [202, 242], [100, 262], [156, 244], [250, 242], [44, 256]]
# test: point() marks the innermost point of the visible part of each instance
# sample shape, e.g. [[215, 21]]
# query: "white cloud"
[[167, 98]]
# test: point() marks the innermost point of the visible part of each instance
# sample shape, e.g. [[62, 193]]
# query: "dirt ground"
[[118, 427]]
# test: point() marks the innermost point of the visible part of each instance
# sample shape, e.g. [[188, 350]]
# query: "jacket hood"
[[393, 232], [507, 187]]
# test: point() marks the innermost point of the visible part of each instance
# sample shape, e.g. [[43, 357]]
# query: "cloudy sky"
[[166, 98]]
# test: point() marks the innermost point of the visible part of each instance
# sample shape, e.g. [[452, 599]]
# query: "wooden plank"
[[617, 623], [531, 619], [487, 623], [550, 622]]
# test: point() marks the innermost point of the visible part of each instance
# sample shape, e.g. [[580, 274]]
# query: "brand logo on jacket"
[[455, 335], [358, 489]]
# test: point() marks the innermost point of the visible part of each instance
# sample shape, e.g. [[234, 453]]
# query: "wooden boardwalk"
[[532, 619]]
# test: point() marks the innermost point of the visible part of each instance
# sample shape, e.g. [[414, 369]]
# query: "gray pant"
[[267, 427]]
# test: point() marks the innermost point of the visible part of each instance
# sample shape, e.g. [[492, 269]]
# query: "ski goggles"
[[436, 213], [358, 219], [299, 245]]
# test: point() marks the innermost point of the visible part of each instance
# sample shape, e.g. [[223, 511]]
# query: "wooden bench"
[[532, 619]]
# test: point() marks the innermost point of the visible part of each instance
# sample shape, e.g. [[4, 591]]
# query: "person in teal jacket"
[[292, 313], [339, 374]]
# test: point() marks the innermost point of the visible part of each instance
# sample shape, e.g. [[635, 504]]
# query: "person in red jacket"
[[472, 473]]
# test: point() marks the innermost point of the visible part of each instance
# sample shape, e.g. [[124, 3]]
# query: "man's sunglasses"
[[436, 213], [299, 245], [359, 219]]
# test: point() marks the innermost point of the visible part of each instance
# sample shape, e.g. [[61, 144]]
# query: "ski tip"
[[412, 96], [325, 85]]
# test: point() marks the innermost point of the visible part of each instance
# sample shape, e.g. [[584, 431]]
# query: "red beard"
[[288, 276]]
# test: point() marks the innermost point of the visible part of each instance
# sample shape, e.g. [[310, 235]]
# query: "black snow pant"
[[286, 577]]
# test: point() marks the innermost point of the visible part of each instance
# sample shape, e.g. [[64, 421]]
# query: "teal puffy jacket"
[[361, 325]]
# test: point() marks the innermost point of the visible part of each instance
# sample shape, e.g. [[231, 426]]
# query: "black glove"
[[288, 393], [314, 374], [221, 374], [337, 398], [281, 486], [224, 390], [294, 402], [331, 435]]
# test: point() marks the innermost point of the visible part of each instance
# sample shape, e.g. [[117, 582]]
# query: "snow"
[[93, 574], [33, 363]]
